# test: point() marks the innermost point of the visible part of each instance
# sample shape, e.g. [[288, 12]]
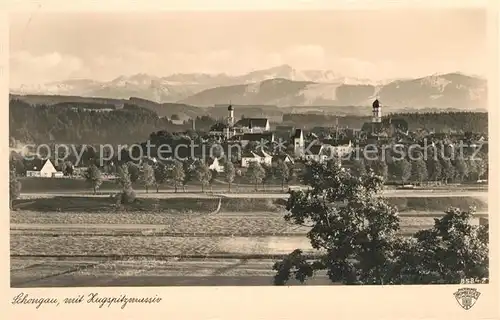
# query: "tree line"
[[442, 166], [179, 174], [438, 121], [82, 122]]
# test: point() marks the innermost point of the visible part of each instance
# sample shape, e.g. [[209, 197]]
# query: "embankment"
[[208, 205]]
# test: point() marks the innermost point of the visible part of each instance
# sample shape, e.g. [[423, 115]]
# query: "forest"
[[82, 123], [439, 121]]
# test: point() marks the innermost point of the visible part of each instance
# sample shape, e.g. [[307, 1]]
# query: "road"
[[260, 195]]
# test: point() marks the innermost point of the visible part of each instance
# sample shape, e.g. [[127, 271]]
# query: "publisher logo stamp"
[[467, 297]]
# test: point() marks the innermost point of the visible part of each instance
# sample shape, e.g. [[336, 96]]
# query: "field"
[[182, 239], [74, 185]]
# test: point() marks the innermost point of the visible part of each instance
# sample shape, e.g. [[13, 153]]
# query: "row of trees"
[[419, 170], [179, 174], [438, 121]]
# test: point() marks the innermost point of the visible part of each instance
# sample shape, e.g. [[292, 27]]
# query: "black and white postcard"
[[207, 160]]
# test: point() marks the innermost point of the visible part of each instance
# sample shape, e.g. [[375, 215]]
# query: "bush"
[[125, 197], [128, 196]]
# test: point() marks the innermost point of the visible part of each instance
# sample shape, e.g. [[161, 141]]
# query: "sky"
[[377, 44]]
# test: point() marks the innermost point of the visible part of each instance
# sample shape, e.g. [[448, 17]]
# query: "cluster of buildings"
[[257, 130], [48, 170], [293, 143]]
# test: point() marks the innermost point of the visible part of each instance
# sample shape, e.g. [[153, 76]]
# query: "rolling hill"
[[448, 91], [282, 86]]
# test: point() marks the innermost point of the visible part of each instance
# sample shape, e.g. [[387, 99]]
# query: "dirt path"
[[260, 195]]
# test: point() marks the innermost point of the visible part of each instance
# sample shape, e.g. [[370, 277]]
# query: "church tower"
[[298, 143], [230, 122], [230, 118], [377, 112]]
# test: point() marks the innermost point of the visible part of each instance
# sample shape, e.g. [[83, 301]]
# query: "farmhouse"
[[47, 171], [283, 157], [262, 138], [318, 153], [214, 164], [259, 156], [339, 149], [253, 125]]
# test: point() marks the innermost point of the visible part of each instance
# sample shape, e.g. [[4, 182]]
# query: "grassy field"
[[170, 205], [206, 205], [152, 232], [251, 224], [30, 185]]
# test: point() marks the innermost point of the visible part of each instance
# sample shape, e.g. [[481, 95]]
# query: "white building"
[[260, 156], [298, 143], [316, 153], [253, 125], [339, 150], [47, 171], [214, 164]]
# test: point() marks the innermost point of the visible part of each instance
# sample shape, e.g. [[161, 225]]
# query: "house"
[[282, 157], [317, 153], [285, 129], [339, 149], [214, 164], [47, 171], [262, 138], [259, 156], [253, 125]]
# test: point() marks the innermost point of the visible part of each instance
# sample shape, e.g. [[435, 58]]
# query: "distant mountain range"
[[282, 86]]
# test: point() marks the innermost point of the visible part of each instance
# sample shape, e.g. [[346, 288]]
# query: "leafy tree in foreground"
[[14, 187], [355, 234], [93, 175], [447, 253], [147, 176]]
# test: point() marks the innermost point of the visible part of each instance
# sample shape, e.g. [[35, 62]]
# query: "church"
[[383, 127], [245, 126]]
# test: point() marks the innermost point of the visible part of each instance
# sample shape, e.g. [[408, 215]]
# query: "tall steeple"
[[376, 111], [230, 118]]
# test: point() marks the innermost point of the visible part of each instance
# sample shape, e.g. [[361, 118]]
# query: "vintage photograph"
[[249, 148]]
